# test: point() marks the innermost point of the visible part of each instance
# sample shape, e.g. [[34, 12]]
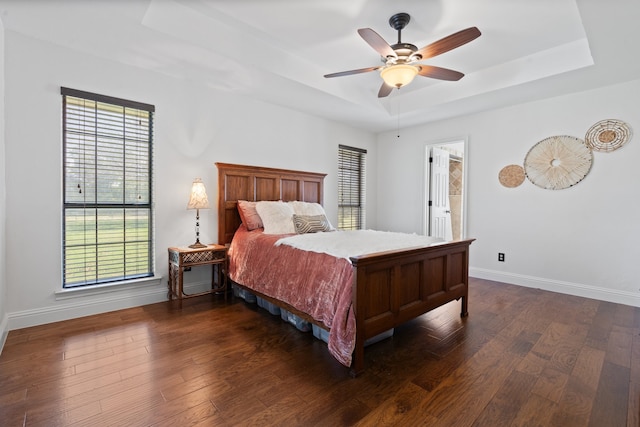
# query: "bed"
[[384, 289]]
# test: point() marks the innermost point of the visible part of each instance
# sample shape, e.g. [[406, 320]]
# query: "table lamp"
[[197, 201]]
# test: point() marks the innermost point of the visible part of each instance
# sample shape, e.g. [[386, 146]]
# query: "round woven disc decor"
[[608, 135], [511, 176], [558, 162]]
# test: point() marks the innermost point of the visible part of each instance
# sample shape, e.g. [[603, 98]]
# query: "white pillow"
[[310, 209], [277, 217], [307, 208]]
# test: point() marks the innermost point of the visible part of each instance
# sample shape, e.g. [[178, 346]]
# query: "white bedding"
[[350, 243]]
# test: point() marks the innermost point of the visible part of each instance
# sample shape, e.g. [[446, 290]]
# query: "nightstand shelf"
[[185, 257]]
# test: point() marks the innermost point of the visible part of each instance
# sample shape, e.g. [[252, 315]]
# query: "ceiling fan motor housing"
[[404, 52]]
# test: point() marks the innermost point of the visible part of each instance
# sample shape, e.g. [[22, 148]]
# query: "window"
[[107, 215], [351, 187]]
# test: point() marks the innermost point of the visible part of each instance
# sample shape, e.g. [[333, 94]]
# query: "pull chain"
[[398, 114]]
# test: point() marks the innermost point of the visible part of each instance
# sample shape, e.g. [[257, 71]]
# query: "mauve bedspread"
[[314, 283]]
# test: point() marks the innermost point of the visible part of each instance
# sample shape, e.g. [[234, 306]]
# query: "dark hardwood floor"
[[523, 357]]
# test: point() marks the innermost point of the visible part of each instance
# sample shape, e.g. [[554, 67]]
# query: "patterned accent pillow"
[[311, 223], [249, 215], [308, 209]]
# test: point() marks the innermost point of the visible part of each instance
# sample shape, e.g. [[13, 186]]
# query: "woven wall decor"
[[558, 162], [511, 176], [608, 135]]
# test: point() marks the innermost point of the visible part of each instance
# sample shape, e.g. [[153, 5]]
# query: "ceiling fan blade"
[[448, 43], [350, 72], [385, 90], [377, 42], [439, 73]]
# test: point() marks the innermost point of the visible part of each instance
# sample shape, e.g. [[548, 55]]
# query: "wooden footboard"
[[390, 288]]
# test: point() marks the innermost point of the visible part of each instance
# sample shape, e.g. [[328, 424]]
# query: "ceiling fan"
[[401, 59]]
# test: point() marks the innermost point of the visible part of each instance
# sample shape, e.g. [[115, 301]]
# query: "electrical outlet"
[[500, 257]]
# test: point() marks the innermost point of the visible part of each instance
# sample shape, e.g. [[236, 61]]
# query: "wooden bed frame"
[[389, 288]]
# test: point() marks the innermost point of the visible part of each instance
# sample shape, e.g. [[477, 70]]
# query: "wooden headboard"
[[255, 183]]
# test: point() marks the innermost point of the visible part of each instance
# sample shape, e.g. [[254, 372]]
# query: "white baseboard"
[[4, 331], [84, 307], [586, 291], [72, 308]]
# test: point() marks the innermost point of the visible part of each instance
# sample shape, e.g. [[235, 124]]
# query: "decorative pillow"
[[277, 217], [249, 215], [311, 223]]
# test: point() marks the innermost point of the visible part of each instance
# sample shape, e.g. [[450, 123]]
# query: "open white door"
[[440, 210]]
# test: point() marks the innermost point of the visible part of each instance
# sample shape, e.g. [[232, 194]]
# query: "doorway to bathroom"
[[445, 189]]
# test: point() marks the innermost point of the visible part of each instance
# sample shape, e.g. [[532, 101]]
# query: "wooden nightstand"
[[182, 257]]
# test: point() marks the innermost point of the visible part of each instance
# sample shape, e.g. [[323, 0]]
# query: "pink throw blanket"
[[315, 283]]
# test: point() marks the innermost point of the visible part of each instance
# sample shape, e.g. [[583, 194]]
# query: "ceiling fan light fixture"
[[399, 75]]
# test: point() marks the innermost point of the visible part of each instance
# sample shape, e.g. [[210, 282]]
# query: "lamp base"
[[197, 245]]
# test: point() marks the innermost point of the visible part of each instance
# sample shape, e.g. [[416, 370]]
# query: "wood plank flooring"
[[523, 357]]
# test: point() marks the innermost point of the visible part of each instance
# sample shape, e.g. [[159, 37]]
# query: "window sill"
[[82, 291]]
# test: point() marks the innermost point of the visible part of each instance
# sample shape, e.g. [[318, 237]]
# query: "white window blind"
[[107, 156], [351, 188]]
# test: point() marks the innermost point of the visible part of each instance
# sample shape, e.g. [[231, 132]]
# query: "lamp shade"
[[398, 75], [198, 199]]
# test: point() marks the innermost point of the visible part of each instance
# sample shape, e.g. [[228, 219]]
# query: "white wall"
[[3, 203], [194, 128], [581, 240]]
